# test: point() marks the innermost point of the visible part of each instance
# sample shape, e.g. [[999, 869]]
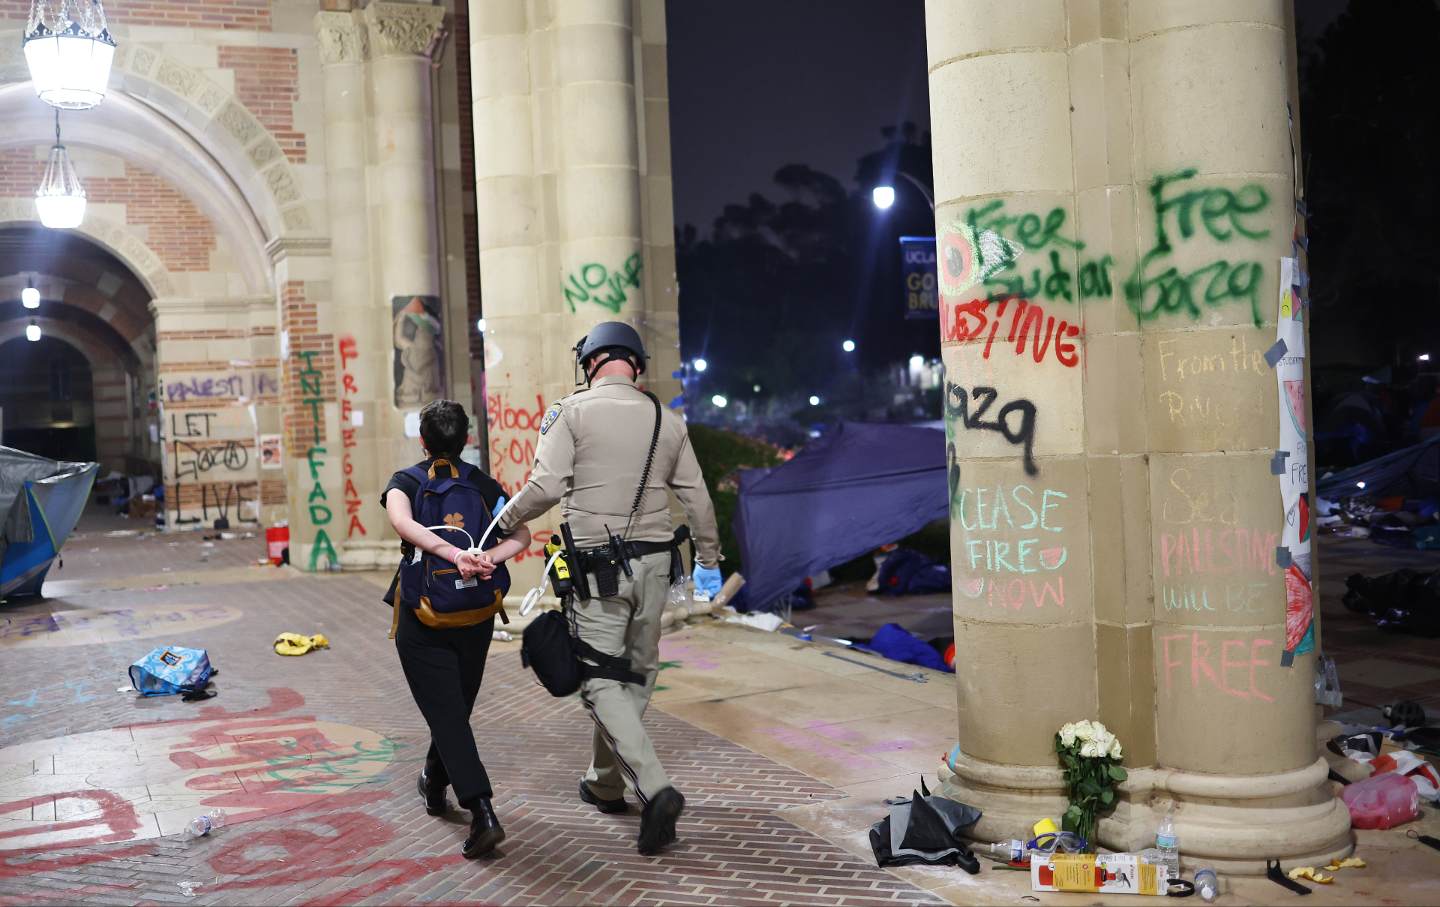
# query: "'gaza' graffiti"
[[1224, 215], [957, 408]]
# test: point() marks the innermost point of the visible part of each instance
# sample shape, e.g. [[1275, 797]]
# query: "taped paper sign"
[[1293, 449]]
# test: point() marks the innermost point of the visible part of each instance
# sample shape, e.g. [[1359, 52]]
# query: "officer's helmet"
[[609, 335]]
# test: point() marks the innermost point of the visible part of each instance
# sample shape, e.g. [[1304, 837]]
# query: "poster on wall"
[[1292, 466], [419, 349], [270, 452]]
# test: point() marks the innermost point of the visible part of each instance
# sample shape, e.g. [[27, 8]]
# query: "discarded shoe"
[[485, 831], [612, 807], [657, 821], [436, 803], [295, 644]]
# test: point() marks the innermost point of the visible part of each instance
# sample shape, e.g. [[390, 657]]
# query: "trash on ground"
[[169, 670], [925, 830], [1274, 873], [203, 824], [295, 644], [1310, 873], [1420, 772], [1405, 601], [898, 644], [1107, 873], [760, 620], [1382, 801], [1347, 863]]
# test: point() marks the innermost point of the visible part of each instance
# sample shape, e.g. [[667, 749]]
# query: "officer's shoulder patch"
[[551, 415]]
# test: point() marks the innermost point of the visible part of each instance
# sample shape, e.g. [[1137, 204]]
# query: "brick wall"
[[266, 81], [246, 15], [178, 231]]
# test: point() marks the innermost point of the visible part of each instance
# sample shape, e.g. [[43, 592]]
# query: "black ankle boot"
[[485, 830], [433, 794]]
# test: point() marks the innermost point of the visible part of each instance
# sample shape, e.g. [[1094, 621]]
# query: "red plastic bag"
[[1382, 801]]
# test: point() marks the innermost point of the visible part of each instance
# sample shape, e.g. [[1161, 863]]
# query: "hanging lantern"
[[69, 50], [60, 200], [32, 332], [30, 297]]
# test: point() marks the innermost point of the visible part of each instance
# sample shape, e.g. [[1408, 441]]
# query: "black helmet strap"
[[612, 354]]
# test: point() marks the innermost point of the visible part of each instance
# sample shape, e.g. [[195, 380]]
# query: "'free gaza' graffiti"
[[957, 408], [1224, 215]]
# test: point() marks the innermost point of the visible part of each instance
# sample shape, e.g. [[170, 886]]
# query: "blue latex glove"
[[707, 581]]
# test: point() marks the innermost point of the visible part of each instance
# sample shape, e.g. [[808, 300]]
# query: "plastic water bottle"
[[1004, 851], [1168, 843], [1207, 884], [203, 824]]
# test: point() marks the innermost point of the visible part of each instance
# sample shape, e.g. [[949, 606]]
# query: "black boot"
[[485, 831], [657, 822], [433, 794], [616, 806]]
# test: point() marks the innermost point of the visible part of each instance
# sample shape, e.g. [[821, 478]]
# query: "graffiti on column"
[[1184, 213], [1011, 547], [348, 388], [595, 283], [419, 349], [311, 381], [513, 431], [1014, 421], [221, 386]]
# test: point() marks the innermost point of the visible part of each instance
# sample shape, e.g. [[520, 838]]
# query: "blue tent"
[[1413, 472], [857, 488], [40, 503]]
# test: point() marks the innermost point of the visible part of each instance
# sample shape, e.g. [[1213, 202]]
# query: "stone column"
[[363, 340], [1114, 196]]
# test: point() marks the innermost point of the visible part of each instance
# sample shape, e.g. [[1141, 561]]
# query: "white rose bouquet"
[[1091, 758]]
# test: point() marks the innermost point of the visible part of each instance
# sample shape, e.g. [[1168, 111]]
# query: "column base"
[[1231, 823], [375, 555]]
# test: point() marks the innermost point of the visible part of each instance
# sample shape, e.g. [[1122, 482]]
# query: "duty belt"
[[605, 563], [605, 554]]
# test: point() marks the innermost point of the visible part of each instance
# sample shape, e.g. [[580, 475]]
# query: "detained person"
[[444, 662]]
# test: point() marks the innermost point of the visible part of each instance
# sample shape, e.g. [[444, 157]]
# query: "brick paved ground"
[[341, 842]]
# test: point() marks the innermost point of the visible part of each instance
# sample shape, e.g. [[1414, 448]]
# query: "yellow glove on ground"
[[295, 644]]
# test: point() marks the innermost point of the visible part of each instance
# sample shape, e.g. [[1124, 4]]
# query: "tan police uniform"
[[591, 454]]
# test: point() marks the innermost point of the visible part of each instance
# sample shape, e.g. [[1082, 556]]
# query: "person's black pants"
[[444, 669]]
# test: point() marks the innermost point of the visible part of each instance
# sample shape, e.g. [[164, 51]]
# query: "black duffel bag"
[[548, 648]]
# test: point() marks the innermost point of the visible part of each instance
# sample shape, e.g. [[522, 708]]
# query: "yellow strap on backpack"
[[295, 644]]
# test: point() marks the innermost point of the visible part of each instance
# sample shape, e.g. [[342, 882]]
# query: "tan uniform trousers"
[[627, 625]]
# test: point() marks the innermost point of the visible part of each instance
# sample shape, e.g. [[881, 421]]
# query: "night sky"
[[756, 84]]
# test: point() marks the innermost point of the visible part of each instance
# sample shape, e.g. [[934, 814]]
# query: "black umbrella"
[[924, 829]]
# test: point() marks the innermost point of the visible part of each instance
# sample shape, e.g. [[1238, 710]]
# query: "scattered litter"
[[173, 669], [1310, 873], [203, 824], [1347, 863], [1423, 839], [1405, 601], [1420, 772], [1274, 873], [925, 829], [227, 536], [208, 545], [917, 677], [124, 689], [188, 888], [760, 620], [894, 642], [1382, 801], [121, 533], [502, 635], [295, 644]]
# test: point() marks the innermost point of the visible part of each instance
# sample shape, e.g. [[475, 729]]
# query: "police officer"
[[592, 454]]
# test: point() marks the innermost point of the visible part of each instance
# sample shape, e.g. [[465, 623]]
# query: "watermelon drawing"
[[1299, 606], [1295, 403]]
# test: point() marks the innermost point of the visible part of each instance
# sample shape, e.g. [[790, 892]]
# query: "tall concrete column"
[[571, 224], [1115, 195], [364, 342]]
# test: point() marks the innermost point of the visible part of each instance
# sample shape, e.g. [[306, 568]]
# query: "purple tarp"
[[857, 488]]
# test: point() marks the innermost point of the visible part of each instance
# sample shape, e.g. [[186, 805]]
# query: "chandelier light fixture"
[[69, 49], [30, 297], [32, 331], [60, 200]]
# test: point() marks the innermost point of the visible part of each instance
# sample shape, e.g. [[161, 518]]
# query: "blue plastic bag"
[[171, 669]]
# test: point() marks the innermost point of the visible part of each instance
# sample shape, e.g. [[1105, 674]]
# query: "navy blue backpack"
[[451, 504]]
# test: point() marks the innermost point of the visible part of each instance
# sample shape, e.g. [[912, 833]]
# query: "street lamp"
[[32, 331], [480, 325], [848, 346], [701, 365], [30, 297], [719, 401], [883, 196], [1423, 357], [814, 400]]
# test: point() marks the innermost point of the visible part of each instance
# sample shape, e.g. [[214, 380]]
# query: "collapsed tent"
[[1413, 472], [857, 488], [40, 503]]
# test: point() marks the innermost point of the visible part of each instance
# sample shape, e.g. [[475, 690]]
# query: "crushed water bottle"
[[679, 595], [203, 824], [1207, 884], [1004, 851]]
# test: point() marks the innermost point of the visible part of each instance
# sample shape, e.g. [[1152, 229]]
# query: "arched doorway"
[[79, 392], [47, 399]]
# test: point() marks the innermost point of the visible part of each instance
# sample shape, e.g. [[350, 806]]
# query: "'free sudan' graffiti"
[[1157, 287]]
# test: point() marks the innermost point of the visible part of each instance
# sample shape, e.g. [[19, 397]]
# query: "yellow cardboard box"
[[1106, 873]]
